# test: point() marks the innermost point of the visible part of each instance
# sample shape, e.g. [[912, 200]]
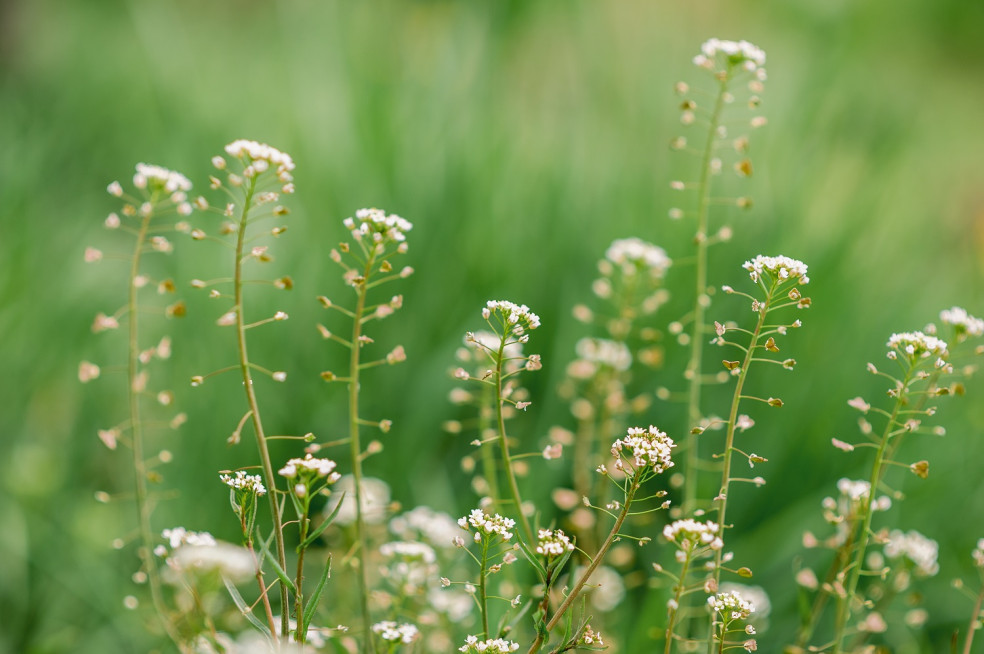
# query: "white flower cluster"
[[261, 152], [396, 633], [915, 344], [748, 56], [179, 536], [377, 225], [917, 548], [978, 554], [604, 351], [781, 268], [963, 322], [321, 468], [855, 490], [436, 527], [408, 550], [552, 543], [489, 646], [591, 637], [245, 482], [518, 317], [731, 605], [689, 533], [484, 523], [634, 254], [158, 177], [646, 447]]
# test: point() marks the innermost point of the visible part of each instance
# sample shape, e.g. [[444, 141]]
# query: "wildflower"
[[591, 637], [553, 543], [731, 605], [488, 646], [321, 468], [258, 155], [978, 554], [378, 226], [689, 533], [396, 633], [922, 551], [483, 523], [610, 353], [915, 345], [104, 322], [647, 448], [780, 268], [963, 323], [731, 54], [553, 451], [374, 500], [158, 178], [518, 318], [245, 482], [634, 255]]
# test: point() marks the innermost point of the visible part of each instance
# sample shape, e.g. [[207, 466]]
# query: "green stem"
[[695, 364], [261, 441], [595, 562], [299, 595], [488, 449], [975, 618], [504, 444], [844, 604], [732, 420], [482, 590], [681, 585], [136, 430], [355, 449]]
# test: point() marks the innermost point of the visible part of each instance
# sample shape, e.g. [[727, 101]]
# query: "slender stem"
[[264, 595], [299, 580], [504, 444], [355, 449], [975, 619], [482, 589], [844, 604], [697, 335], [488, 449], [732, 420], [261, 441], [136, 430], [681, 586], [595, 562]]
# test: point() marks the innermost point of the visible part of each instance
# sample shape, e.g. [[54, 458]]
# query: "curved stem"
[[136, 431], [844, 604], [355, 450], [261, 441], [694, 366], [671, 619], [595, 562], [504, 445]]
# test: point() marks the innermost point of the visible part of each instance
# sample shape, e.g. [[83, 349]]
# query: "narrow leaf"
[[246, 610], [321, 528], [316, 595]]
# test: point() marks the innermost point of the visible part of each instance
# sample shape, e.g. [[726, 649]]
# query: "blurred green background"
[[520, 138]]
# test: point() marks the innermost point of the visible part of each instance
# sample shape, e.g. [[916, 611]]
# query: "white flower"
[[689, 533], [483, 523], [731, 605], [634, 254], [917, 344], [645, 448], [718, 52], [917, 548], [781, 268], [488, 646], [396, 633], [606, 352], [378, 226], [245, 482], [964, 323], [516, 317], [552, 543], [160, 178], [374, 500], [310, 464]]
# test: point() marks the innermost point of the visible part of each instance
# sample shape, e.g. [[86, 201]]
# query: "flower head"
[[722, 56], [780, 268], [633, 255], [962, 322], [485, 524], [689, 533], [515, 317], [731, 605], [488, 646], [916, 345], [644, 449], [553, 543], [310, 466], [396, 633], [245, 483], [922, 551], [157, 178], [379, 227]]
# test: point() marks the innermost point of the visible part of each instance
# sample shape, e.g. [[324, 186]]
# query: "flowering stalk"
[[162, 190], [975, 617], [694, 540], [377, 236], [911, 350], [773, 275], [641, 454], [728, 609], [510, 324], [489, 531], [727, 61]]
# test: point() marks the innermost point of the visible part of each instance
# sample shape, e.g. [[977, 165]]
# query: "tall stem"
[[975, 619], [504, 444], [844, 605], [261, 440], [483, 598], [595, 562], [355, 449], [694, 366], [136, 431], [299, 581], [729, 441], [681, 586]]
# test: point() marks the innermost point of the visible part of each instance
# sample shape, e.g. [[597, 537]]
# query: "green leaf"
[[532, 558], [316, 595], [265, 555], [321, 528], [246, 610]]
